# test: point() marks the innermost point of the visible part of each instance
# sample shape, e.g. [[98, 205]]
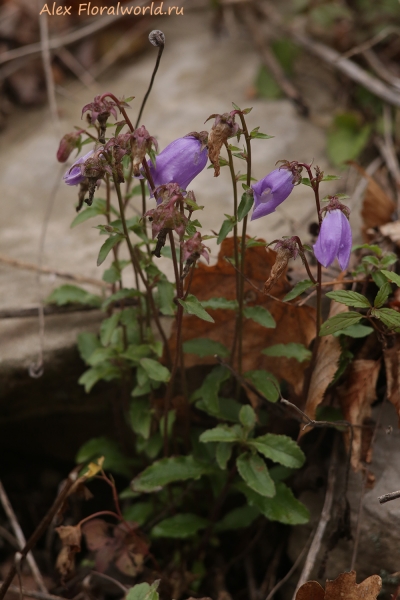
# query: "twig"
[[77, 69], [108, 578], [40, 529], [332, 57], [270, 62], [324, 520], [380, 69], [13, 589], [4, 533], [251, 581], [46, 59], [19, 264], [291, 570], [388, 497], [8, 509], [371, 42]]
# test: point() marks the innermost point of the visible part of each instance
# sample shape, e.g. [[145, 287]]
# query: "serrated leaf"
[[222, 433], [223, 453], [205, 347], [254, 472], [260, 315], [283, 507], [155, 370], [247, 416], [193, 307], [219, 304], [265, 383], [290, 350], [349, 298], [108, 245], [226, 228], [238, 518], [339, 322], [209, 389], [298, 289], [98, 208], [355, 331], [72, 294], [169, 470], [391, 276], [279, 448], [245, 205], [181, 526], [388, 316], [382, 295], [143, 591]]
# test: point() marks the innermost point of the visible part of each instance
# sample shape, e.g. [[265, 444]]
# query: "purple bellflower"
[[334, 239], [274, 188], [74, 175], [181, 161]]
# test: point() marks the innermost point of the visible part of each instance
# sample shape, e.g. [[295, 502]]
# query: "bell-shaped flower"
[[180, 162], [334, 239], [271, 191], [75, 175]]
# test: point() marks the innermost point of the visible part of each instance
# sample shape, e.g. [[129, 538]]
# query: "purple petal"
[[327, 246], [346, 242], [74, 175], [271, 191]]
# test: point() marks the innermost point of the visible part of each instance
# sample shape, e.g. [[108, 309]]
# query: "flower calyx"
[[191, 250], [335, 204], [294, 167], [224, 128], [166, 217], [100, 110]]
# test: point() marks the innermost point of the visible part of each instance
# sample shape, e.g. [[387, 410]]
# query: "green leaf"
[[98, 208], [330, 178], [205, 347], [171, 417], [349, 298], [140, 417], [182, 526], [219, 304], [72, 294], [144, 591], [238, 518], [383, 295], [139, 513], [247, 417], [193, 307], [209, 389], [298, 289], [355, 331], [87, 344], [245, 205], [379, 278], [261, 136], [290, 350], [260, 315], [306, 181], [107, 328], [283, 507], [108, 245], [105, 371], [222, 433], [254, 472], [391, 276], [169, 470], [226, 228], [114, 460], [155, 370], [339, 322], [265, 383], [266, 85], [388, 316], [165, 298], [279, 448], [125, 293], [223, 453], [347, 138], [370, 247]]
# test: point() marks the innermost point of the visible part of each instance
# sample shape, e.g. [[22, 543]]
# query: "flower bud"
[[68, 143]]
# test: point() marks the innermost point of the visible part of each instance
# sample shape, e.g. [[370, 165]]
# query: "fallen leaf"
[[392, 231], [70, 537], [325, 367], [293, 323], [356, 397], [343, 587], [391, 358]]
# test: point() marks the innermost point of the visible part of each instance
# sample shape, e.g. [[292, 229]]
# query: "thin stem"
[[136, 266], [235, 213], [121, 108], [161, 47]]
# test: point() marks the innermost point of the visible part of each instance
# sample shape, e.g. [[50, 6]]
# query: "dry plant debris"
[[344, 587]]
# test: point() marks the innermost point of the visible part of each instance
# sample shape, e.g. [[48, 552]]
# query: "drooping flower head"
[[274, 188], [224, 127], [181, 161], [75, 175], [285, 249], [335, 238], [191, 250], [100, 109], [68, 143]]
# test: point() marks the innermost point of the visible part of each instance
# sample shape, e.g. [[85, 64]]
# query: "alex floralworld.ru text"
[[154, 8]]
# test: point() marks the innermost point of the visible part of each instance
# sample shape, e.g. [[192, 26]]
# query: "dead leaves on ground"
[[343, 587], [293, 323], [391, 358]]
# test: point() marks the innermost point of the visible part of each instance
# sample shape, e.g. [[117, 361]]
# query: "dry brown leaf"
[[377, 207], [356, 397], [325, 367], [70, 537], [392, 367], [293, 323], [343, 587], [392, 231]]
